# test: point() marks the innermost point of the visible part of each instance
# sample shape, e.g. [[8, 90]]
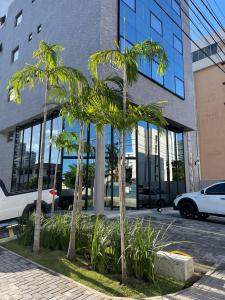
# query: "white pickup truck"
[[16, 205]]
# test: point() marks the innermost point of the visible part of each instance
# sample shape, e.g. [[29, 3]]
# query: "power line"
[[199, 11], [188, 36], [212, 13], [196, 26]]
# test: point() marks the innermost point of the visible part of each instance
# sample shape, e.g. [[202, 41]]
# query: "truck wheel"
[[187, 210], [203, 216]]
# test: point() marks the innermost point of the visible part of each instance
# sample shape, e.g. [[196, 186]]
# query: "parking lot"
[[204, 240]]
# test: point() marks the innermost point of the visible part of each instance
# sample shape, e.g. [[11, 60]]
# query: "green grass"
[[107, 284]]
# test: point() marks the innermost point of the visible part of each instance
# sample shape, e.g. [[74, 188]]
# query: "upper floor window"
[[156, 24], [39, 28], [155, 75], [177, 43], [18, 18], [131, 3], [205, 52], [30, 37], [176, 6], [2, 21], [15, 54], [11, 95], [179, 87]]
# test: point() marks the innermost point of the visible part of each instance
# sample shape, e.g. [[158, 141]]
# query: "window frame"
[[178, 4], [39, 29], [135, 5], [30, 37], [14, 51], [17, 18], [176, 37], [175, 78], [152, 14]]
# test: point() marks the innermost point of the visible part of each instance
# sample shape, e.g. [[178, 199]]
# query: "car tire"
[[187, 210], [203, 216]]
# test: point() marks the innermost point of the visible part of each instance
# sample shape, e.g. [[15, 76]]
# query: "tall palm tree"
[[78, 106], [126, 60], [112, 113], [48, 71]]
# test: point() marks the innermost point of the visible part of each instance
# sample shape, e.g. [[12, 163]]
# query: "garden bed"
[[80, 271]]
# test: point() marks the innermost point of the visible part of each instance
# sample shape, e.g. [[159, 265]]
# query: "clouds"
[[4, 4]]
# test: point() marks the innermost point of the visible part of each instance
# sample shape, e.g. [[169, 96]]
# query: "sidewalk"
[[21, 279]]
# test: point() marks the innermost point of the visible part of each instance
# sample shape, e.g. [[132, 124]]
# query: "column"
[[99, 191]]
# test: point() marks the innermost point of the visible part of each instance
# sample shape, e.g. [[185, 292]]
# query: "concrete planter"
[[174, 265]]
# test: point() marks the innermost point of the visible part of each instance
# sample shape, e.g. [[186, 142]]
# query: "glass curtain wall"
[[147, 20], [154, 167], [27, 155], [69, 166]]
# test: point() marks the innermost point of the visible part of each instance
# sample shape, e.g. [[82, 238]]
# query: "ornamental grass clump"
[[98, 242]]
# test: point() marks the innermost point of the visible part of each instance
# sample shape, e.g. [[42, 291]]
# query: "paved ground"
[[204, 240], [20, 279]]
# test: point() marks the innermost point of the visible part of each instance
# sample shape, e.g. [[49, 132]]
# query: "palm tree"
[[77, 106], [112, 113], [63, 140], [126, 60], [48, 71]]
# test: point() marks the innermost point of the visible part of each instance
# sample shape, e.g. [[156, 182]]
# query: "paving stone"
[[22, 280]]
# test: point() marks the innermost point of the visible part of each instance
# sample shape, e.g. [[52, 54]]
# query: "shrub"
[[98, 241]]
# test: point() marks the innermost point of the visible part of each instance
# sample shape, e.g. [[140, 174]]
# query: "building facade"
[[210, 95], [160, 161]]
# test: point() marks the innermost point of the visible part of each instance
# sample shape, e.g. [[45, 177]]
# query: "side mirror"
[[202, 192]]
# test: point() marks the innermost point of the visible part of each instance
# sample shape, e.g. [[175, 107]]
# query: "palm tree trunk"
[[54, 184], [37, 228], [71, 255], [123, 185], [81, 165]]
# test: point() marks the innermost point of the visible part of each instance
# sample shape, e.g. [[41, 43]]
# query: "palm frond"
[[111, 57], [48, 54], [151, 50], [23, 79]]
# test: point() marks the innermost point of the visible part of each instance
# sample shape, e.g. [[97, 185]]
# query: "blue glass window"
[[145, 20], [179, 87], [130, 3], [155, 74], [177, 43], [176, 6], [123, 44], [156, 24]]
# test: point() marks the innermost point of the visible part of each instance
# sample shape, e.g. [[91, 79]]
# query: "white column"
[[99, 190]]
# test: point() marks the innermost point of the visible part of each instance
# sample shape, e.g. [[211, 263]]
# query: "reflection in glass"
[[25, 159], [180, 163], [17, 161], [172, 164], [143, 165], [154, 163], [55, 153], [164, 172], [34, 163]]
